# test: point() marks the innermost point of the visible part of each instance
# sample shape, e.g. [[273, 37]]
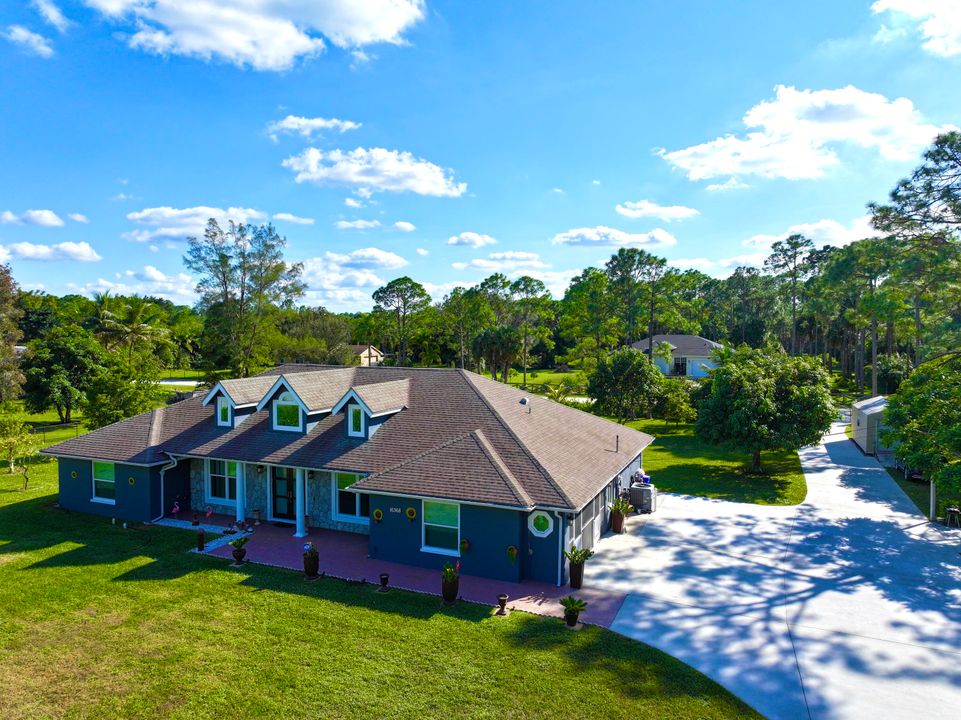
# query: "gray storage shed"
[[867, 423]]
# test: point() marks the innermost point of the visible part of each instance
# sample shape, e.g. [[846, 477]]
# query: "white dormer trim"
[[351, 396], [281, 383], [351, 408], [214, 391], [224, 403], [294, 401]]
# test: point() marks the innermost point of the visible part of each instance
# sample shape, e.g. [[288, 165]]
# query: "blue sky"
[[449, 140]]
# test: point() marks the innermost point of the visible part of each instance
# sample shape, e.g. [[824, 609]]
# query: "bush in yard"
[[675, 405], [625, 385], [766, 400]]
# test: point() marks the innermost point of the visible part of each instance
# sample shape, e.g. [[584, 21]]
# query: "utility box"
[[644, 497]]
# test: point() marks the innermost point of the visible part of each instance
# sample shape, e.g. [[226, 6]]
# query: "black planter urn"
[[239, 555], [312, 565], [577, 575], [449, 590], [570, 617]]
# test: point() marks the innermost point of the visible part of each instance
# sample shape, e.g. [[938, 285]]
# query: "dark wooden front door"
[[282, 493]]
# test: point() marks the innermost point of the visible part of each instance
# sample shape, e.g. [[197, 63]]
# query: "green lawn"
[[679, 462], [97, 621], [919, 492], [548, 376]]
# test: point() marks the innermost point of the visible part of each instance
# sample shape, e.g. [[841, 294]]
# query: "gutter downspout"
[[562, 528], [169, 466]]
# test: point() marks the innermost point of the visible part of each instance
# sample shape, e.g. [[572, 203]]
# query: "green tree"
[[11, 376], [118, 393], [404, 298], [60, 368], [242, 280], [924, 423], [16, 440], [467, 313], [532, 311], [765, 400], [625, 384], [789, 258], [498, 347], [588, 317]]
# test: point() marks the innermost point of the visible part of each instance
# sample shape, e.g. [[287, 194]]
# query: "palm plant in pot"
[[239, 551], [450, 582], [619, 510], [573, 607], [311, 561], [577, 557]]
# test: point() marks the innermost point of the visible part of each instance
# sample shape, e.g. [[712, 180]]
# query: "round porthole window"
[[131, 480], [540, 524], [73, 474]]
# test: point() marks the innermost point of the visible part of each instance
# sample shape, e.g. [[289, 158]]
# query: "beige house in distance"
[[368, 354]]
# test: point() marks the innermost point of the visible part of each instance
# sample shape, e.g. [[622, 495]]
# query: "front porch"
[[343, 555]]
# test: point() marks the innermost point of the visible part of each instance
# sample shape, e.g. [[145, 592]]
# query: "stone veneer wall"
[[319, 497]]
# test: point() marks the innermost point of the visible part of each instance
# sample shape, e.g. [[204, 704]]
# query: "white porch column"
[[300, 503], [241, 491]]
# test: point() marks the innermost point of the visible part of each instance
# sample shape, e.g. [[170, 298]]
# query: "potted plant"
[[311, 561], [239, 551], [450, 582], [619, 510], [577, 557], [573, 607]]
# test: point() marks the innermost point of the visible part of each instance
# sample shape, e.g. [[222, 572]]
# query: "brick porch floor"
[[344, 555]]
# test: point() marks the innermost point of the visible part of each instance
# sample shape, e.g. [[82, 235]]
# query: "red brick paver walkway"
[[344, 555]]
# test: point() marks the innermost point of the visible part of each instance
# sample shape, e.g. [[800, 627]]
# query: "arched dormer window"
[[287, 413]]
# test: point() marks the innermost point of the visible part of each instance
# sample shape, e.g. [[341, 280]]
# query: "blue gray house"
[[431, 464]]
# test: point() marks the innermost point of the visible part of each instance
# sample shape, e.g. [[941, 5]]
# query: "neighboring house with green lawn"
[[690, 354], [431, 464]]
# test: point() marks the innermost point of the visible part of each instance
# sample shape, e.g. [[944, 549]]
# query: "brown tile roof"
[[481, 441], [385, 396], [247, 391], [464, 468]]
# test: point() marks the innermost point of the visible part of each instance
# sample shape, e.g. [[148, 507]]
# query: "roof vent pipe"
[[617, 443]]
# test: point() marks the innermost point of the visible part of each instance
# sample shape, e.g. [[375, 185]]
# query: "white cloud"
[[295, 219], [602, 236], [794, 136], [263, 34], [508, 260], [29, 41], [471, 239], [595, 182], [700, 263], [821, 232], [646, 208], [371, 258], [81, 252], [732, 183], [886, 35], [438, 291], [44, 218], [179, 223], [374, 170], [51, 13], [121, 196], [404, 226], [556, 281], [79, 217], [353, 203], [746, 260], [422, 252], [357, 224], [559, 191], [307, 127], [178, 288], [939, 22]]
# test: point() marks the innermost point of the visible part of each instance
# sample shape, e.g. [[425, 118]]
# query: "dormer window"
[[224, 412], [355, 421], [287, 415]]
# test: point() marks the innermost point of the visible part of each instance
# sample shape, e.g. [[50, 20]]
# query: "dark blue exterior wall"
[[489, 530], [138, 500], [542, 554]]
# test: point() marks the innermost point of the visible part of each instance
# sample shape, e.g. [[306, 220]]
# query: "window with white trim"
[[349, 506], [286, 412], [223, 411], [355, 421], [540, 523], [104, 482], [221, 481], [441, 527]]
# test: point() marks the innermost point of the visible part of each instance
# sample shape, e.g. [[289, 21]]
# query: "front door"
[[282, 493]]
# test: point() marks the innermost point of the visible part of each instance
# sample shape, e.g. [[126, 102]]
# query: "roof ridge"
[[498, 462], [527, 451]]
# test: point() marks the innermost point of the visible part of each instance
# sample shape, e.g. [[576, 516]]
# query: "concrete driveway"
[[846, 606]]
